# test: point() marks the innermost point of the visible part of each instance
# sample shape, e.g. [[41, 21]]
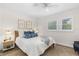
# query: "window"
[[61, 25], [52, 25], [67, 24]]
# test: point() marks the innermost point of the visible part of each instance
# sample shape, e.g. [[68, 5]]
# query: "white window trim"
[[60, 24]]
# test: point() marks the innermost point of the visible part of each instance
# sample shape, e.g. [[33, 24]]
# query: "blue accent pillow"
[[30, 34]]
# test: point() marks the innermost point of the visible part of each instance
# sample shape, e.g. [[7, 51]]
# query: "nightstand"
[[8, 44]]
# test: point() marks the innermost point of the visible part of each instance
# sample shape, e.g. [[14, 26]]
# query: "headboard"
[[16, 34]]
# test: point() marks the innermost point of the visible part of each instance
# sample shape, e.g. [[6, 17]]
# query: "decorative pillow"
[[30, 34], [45, 40]]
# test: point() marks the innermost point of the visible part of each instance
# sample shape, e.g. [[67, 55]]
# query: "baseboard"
[[71, 46]]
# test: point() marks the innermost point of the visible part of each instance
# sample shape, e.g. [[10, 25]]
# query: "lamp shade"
[[9, 33]]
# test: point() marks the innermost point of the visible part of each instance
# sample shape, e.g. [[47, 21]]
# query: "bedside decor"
[[9, 39]]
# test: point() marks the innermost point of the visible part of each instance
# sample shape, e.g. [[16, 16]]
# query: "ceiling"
[[29, 9]]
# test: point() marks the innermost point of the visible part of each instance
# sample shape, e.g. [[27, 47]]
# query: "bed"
[[30, 41], [35, 45]]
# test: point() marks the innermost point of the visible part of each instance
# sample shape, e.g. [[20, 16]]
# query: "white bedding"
[[33, 46]]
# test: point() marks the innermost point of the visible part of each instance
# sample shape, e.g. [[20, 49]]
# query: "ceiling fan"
[[45, 5]]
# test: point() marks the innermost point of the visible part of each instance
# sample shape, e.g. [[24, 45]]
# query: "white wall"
[[62, 37], [8, 18]]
